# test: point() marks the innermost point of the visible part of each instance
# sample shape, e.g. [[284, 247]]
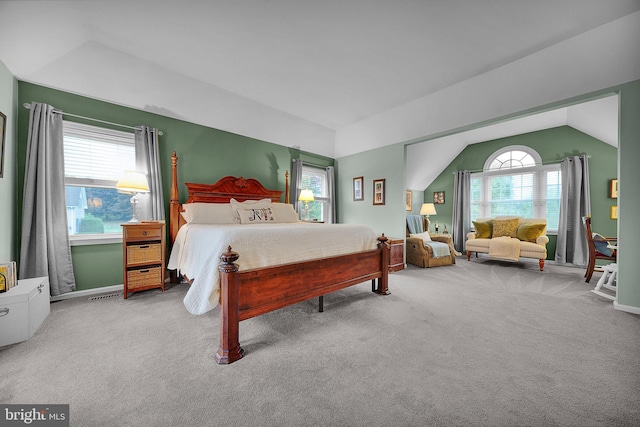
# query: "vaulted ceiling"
[[292, 72]]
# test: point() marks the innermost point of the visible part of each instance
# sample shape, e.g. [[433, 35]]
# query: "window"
[[94, 159], [515, 182], [315, 179]]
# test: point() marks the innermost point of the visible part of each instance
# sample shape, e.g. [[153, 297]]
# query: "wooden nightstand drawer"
[[150, 276], [141, 233], [144, 253], [143, 250]]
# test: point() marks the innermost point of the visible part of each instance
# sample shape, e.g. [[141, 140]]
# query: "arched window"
[[515, 182], [513, 156]]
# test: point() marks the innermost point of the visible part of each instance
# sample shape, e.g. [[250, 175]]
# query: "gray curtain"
[[296, 180], [45, 249], [575, 203], [151, 204], [461, 218], [331, 190]]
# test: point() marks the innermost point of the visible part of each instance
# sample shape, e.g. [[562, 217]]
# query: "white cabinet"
[[23, 309]]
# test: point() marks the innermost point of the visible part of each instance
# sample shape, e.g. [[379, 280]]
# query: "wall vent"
[[106, 296]]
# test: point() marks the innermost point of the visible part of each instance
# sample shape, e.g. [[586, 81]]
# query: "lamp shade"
[[428, 209], [133, 182], [306, 196]]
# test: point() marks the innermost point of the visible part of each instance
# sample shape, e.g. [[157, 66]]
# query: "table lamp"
[[426, 210], [133, 182], [306, 196]]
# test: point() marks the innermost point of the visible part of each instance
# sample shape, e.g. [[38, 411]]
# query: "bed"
[[245, 282]]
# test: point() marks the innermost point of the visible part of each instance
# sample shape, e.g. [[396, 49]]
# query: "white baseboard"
[[88, 292], [627, 308]]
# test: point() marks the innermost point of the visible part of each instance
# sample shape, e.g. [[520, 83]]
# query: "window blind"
[[532, 192], [96, 156]]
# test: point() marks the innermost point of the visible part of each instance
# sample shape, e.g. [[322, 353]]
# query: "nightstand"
[[396, 262], [143, 252]]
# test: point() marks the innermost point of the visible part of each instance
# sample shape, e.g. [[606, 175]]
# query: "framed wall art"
[[378, 191], [409, 200], [438, 197], [3, 125], [358, 193], [614, 212], [613, 188]]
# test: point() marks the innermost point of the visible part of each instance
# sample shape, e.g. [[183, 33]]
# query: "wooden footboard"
[[253, 292]]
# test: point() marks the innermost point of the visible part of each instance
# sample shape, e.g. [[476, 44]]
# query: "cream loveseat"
[[509, 238]]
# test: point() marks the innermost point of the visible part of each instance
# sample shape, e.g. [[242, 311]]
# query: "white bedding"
[[197, 249]]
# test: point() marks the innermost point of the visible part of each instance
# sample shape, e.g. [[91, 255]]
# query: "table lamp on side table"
[[133, 182], [426, 210], [306, 196]]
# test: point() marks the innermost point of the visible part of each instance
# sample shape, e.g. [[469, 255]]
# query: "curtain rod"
[[541, 164], [28, 107], [304, 162]]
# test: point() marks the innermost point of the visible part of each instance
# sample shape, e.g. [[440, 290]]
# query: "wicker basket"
[[144, 277], [151, 252]]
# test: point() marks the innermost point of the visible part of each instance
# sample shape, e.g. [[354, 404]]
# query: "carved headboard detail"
[[227, 188]]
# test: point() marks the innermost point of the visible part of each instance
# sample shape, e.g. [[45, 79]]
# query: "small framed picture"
[[614, 212], [438, 197], [378, 191], [613, 188], [358, 193], [408, 201]]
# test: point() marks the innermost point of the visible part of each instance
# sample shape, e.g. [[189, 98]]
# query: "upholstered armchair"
[[421, 253]]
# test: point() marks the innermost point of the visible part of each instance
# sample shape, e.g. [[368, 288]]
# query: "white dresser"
[[23, 309]]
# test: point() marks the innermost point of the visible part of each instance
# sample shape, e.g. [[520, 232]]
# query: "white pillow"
[[256, 215], [235, 205], [284, 212], [208, 213], [424, 236]]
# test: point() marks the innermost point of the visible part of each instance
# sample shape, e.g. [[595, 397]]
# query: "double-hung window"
[[515, 182], [94, 159], [315, 179]]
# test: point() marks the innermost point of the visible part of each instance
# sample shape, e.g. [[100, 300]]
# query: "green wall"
[[552, 145], [205, 155], [386, 163], [628, 293], [8, 97]]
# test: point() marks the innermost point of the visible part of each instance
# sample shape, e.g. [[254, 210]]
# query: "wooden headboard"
[[227, 188]]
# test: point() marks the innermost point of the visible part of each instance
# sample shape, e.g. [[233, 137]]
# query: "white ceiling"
[[598, 118], [292, 72]]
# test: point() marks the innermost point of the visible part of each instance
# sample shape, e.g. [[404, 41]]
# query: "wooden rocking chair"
[[594, 254]]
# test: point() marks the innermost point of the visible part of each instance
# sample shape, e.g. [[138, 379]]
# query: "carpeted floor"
[[480, 343]]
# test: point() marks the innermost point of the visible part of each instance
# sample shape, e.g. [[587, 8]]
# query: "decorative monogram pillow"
[[236, 206], [256, 215]]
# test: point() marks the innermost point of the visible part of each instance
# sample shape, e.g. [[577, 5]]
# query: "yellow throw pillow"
[[484, 230], [530, 232], [505, 227]]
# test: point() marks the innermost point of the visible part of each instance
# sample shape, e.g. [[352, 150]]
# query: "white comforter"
[[197, 249]]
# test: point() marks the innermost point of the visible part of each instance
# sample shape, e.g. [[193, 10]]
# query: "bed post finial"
[[229, 350], [286, 187], [174, 200]]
